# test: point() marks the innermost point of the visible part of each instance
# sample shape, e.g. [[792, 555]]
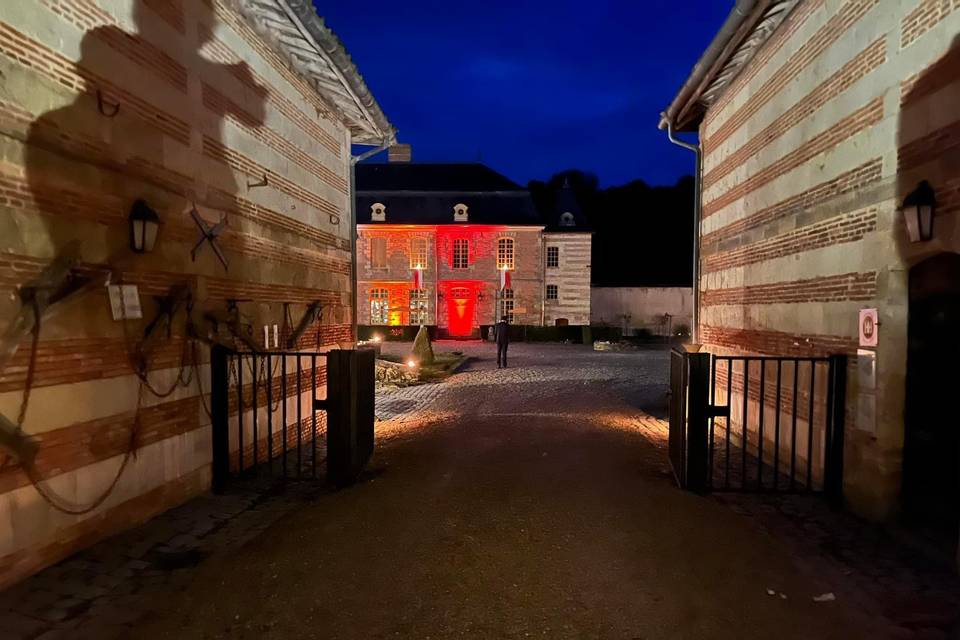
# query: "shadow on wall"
[[88, 161], [113, 129], [929, 149]]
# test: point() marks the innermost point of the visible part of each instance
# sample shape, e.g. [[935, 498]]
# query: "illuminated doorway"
[[461, 311]]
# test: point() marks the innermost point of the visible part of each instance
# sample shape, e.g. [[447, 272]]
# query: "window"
[[460, 213], [379, 306], [461, 253], [551, 292], [378, 212], [506, 304], [553, 256], [566, 220], [418, 253], [418, 306], [378, 253], [505, 253]]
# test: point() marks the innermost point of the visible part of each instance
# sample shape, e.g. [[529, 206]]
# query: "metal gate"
[[268, 419], [757, 423]]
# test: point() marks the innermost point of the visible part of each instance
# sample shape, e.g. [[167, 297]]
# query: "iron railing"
[[268, 419], [757, 423]]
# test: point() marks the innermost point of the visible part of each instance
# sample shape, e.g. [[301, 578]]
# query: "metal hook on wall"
[[262, 183], [102, 106]]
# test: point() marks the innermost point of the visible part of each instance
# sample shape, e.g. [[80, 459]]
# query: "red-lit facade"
[[455, 246], [460, 282]]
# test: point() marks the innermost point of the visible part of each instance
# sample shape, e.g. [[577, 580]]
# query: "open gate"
[[757, 423], [268, 418]]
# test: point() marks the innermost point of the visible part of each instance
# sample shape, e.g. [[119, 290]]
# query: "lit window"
[[418, 253], [461, 253], [506, 304], [379, 306], [553, 256], [551, 292], [378, 253], [505, 253], [418, 306]]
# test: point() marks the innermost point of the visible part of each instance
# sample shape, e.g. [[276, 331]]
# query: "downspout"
[[698, 153], [355, 234]]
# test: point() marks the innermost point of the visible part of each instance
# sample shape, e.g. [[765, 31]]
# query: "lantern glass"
[[144, 227], [918, 212], [925, 218]]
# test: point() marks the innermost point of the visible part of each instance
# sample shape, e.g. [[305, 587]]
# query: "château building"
[[455, 246]]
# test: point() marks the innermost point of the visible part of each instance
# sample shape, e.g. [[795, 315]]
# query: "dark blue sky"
[[531, 87]]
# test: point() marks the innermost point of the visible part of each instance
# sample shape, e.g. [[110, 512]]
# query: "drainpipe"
[[698, 153], [355, 234]]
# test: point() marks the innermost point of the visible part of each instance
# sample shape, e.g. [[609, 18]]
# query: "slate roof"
[[566, 203], [427, 176], [425, 193]]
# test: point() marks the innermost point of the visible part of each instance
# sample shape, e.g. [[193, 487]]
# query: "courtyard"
[[534, 501]]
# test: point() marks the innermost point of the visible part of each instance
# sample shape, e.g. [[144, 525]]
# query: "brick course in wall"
[[848, 15], [73, 172], [860, 120]]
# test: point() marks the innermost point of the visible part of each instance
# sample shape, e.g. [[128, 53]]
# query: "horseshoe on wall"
[[102, 104]]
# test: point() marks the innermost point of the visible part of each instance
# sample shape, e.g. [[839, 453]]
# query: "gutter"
[[741, 11], [697, 177], [354, 233]]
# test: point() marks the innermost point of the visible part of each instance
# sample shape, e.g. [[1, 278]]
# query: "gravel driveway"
[[534, 501]]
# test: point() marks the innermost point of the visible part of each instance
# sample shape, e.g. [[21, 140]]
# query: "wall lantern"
[[144, 225], [918, 209]]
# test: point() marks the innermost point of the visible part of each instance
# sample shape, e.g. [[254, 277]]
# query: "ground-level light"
[[411, 363]]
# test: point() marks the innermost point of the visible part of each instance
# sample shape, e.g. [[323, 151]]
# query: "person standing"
[[501, 331]]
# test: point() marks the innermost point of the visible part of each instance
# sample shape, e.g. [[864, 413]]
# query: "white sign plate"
[[869, 327], [125, 302]]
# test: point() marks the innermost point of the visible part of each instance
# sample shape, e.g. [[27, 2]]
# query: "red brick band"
[[838, 230], [848, 15], [837, 288], [857, 68], [60, 69], [860, 120], [97, 23], [219, 104], [170, 11], [848, 182], [777, 343], [769, 49], [927, 15]]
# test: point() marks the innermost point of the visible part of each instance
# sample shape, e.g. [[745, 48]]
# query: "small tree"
[[422, 349]]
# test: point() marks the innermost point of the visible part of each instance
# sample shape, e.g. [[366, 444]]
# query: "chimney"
[[399, 153]]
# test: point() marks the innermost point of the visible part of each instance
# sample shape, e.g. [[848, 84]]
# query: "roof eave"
[[316, 53], [728, 53]]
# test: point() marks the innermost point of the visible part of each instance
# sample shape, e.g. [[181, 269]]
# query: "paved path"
[[530, 502], [534, 501]]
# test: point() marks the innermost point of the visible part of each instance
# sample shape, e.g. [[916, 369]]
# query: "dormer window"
[[378, 212], [566, 220], [459, 213]]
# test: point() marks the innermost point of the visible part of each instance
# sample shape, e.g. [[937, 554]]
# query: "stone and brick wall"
[[195, 108], [644, 308], [480, 275], [807, 155], [571, 277]]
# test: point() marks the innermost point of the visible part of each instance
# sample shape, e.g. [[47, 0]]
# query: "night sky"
[[531, 87]]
